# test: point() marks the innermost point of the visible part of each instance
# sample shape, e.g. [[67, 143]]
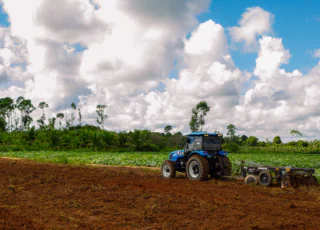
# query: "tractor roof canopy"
[[203, 134]]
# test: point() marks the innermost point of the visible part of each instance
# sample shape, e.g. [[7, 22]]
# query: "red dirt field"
[[49, 196]]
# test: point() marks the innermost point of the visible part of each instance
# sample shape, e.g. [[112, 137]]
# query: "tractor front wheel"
[[168, 169], [197, 168]]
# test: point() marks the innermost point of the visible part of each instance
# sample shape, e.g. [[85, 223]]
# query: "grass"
[[88, 157], [155, 159]]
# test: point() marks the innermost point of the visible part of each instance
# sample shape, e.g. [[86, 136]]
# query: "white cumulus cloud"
[[254, 22], [130, 47]]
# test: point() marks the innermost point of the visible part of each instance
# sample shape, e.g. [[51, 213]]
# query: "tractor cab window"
[[198, 140], [212, 140], [190, 139]]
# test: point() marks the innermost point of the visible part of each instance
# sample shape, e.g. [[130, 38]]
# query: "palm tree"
[[139, 138], [121, 139]]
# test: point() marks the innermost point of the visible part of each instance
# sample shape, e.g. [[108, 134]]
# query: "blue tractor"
[[202, 156]]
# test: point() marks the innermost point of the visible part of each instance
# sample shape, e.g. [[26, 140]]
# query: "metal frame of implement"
[[286, 176]]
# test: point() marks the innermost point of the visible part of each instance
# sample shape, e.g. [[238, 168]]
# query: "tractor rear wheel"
[[226, 166], [197, 168], [168, 169]]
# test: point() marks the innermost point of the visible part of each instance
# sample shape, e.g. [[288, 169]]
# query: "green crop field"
[[155, 159]]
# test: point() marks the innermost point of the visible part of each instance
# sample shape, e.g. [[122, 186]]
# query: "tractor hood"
[[173, 156]]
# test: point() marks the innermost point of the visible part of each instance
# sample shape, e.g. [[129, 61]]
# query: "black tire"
[[251, 179], [168, 169], [265, 178], [226, 164], [197, 168]]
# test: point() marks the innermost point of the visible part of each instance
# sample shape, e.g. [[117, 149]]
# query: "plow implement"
[[285, 176]]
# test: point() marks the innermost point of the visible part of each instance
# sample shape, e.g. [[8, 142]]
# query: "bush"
[[302, 143], [252, 141], [277, 140], [262, 144], [231, 147], [150, 147]]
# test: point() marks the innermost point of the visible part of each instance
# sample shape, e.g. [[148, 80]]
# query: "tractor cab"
[[202, 141]]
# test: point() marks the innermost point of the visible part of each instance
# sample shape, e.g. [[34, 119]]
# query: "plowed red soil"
[[49, 196]]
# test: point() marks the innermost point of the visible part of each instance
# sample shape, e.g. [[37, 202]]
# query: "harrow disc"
[[300, 180], [286, 182], [310, 180]]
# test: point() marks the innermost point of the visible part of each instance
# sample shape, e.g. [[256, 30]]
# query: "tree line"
[[237, 143], [16, 115], [18, 132]]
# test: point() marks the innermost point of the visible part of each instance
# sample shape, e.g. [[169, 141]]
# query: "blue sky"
[[4, 22], [296, 22]]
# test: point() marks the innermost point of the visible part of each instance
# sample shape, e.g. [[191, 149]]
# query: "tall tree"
[[60, 116], [101, 115], [41, 120], [43, 105], [198, 116], [26, 108], [17, 105], [194, 124], [295, 133], [231, 130], [167, 129], [6, 109], [79, 115], [231, 133], [73, 116], [52, 122]]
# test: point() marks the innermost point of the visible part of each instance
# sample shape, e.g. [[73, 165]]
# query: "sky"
[[256, 63]]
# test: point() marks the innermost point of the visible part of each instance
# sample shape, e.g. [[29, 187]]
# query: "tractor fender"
[[199, 152], [222, 153]]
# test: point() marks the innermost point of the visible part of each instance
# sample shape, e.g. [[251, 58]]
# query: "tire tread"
[[204, 164]]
